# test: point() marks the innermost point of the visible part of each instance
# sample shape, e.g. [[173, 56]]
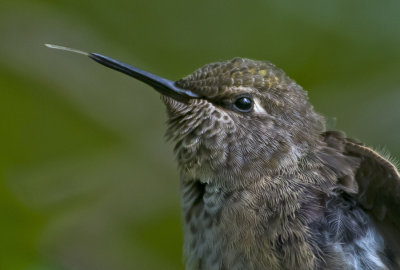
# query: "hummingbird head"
[[234, 121], [249, 119]]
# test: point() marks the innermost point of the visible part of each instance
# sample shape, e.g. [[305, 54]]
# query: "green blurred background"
[[86, 179]]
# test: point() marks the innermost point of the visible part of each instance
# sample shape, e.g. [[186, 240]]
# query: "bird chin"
[[173, 106]]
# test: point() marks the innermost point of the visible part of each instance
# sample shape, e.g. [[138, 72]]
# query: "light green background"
[[86, 179]]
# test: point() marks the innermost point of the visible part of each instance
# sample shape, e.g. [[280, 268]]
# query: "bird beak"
[[162, 85]]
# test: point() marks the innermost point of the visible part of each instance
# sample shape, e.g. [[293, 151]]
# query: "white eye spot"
[[257, 106]]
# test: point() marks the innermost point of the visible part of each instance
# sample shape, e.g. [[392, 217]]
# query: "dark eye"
[[243, 104]]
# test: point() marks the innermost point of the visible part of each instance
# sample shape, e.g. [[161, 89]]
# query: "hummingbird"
[[264, 185]]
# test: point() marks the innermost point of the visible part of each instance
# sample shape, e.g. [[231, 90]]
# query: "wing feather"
[[377, 182]]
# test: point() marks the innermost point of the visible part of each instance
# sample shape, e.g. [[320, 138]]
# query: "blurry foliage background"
[[86, 179]]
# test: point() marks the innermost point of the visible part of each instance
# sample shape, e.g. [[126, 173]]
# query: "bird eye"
[[243, 104]]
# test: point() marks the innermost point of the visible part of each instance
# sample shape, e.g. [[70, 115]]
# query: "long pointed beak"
[[164, 86]]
